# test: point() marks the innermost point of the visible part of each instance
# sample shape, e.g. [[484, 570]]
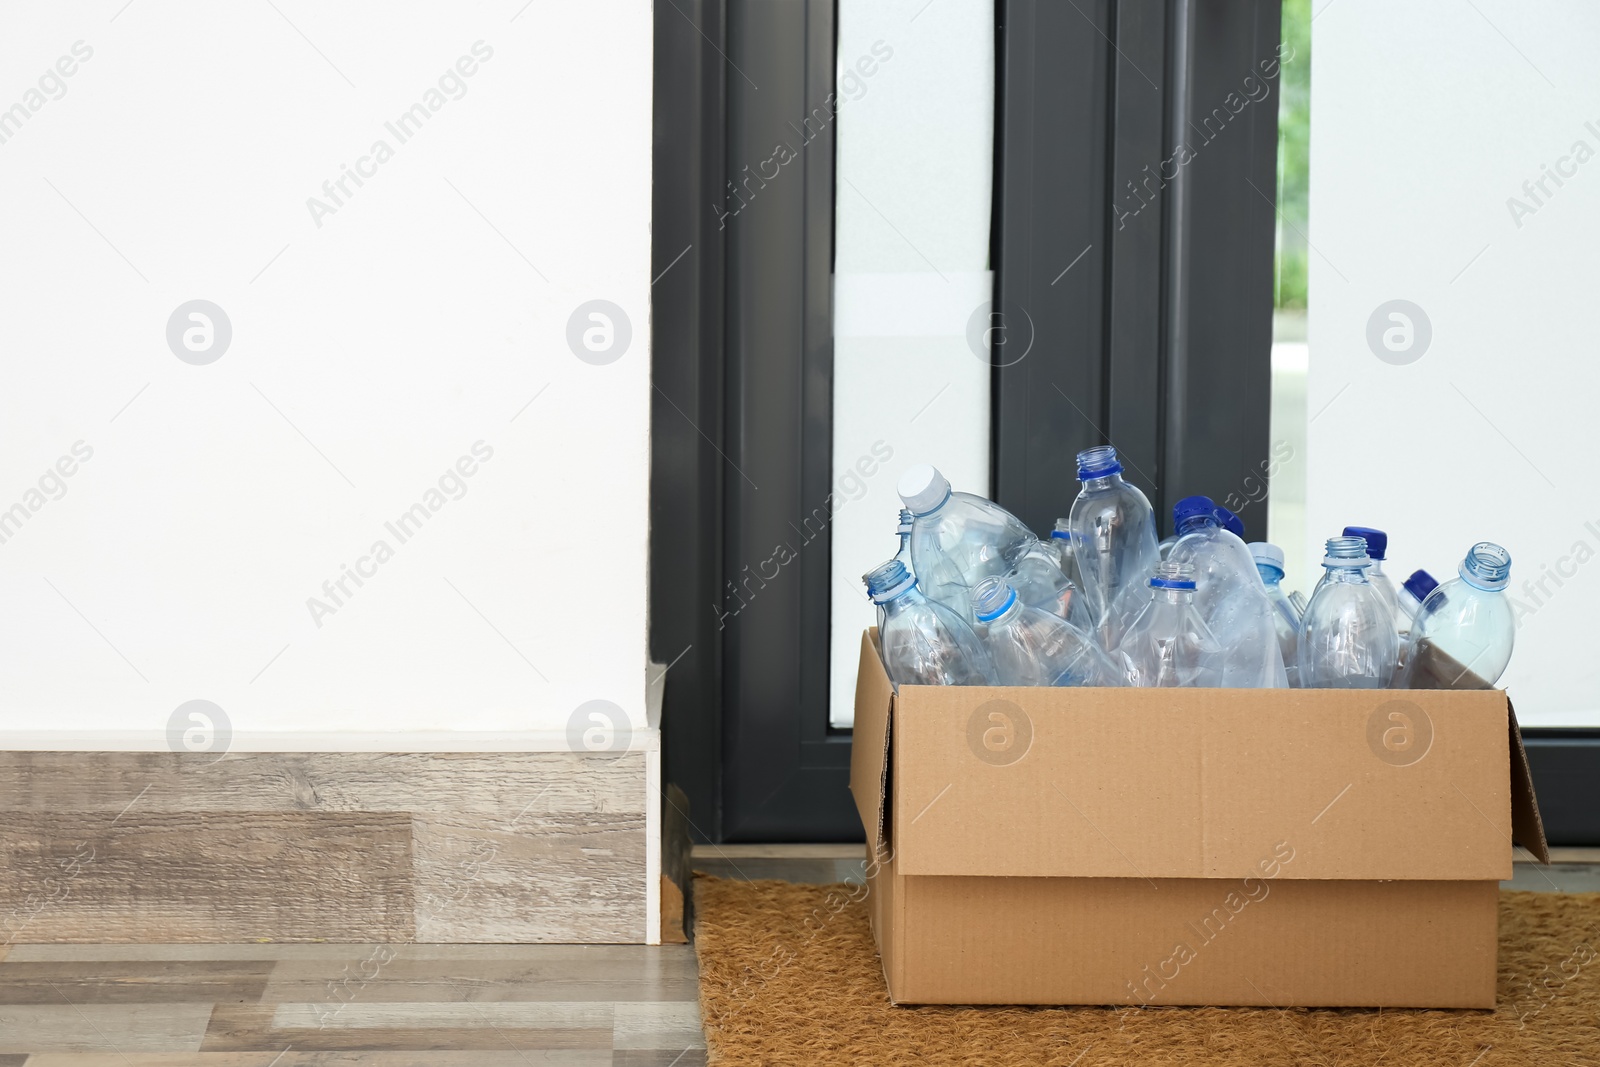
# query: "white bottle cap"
[[1270, 554], [923, 488]]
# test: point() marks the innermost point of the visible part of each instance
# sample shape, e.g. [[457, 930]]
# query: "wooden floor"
[[397, 1005]]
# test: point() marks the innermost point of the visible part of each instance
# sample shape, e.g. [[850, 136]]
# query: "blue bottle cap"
[[1193, 507], [1230, 522], [1420, 584], [1377, 541]]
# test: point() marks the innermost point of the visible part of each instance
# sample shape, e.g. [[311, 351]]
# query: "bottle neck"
[[1101, 481], [897, 602], [1008, 616], [1196, 523], [1337, 572]]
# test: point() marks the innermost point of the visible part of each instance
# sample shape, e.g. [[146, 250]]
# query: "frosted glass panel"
[[915, 176]]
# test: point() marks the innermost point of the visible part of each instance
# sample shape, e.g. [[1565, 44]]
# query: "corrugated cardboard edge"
[[869, 756], [869, 784], [888, 926], [1527, 825]]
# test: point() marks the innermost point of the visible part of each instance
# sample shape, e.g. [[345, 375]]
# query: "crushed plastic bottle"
[[1033, 647], [1229, 596], [1168, 644], [957, 539], [922, 641], [1347, 638], [1115, 543], [1285, 619], [1464, 631], [1061, 540], [1040, 583]]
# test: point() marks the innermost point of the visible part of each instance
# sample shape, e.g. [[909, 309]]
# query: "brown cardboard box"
[[1188, 846]]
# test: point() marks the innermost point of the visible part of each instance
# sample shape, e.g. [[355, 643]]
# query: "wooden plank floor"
[[406, 1004]]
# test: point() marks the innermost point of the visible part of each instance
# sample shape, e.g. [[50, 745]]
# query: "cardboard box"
[[1334, 848]]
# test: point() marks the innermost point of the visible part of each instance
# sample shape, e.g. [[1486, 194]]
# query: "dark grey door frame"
[[1133, 244], [687, 469], [741, 503], [785, 773]]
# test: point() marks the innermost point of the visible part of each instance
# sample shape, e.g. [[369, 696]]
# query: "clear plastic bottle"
[[1062, 542], [1464, 632], [1040, 583], [1347, 638], [903, 531], [1230, 522], [1229, 596], [1168, 644], [1114, 533], [1285, 619], [1033, 647], [957, 539], [1377, 549], [923, 642], [1413, 591]]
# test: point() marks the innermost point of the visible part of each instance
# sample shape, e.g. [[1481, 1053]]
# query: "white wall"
[[915, 175], [1426, 121], [371, 349]]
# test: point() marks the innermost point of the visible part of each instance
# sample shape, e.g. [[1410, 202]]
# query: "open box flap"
[[1527, 825], [1443, 671], [869, 752]]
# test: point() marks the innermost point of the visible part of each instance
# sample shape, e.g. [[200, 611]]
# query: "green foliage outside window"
[[1294, 135]]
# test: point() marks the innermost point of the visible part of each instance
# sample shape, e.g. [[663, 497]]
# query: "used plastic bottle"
[[1230, 522], [1229, 596], [1285, 619], [1168, 644], [1114, 540], [1413, 591], [903, 531], [1066, 551], [1347, 638], [1464, 631], [957, 539], [1040, 583], [1377, 548], [923, 642], [1033, 647]]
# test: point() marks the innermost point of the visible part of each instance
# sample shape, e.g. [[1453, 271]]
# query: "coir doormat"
[[789, 975]]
